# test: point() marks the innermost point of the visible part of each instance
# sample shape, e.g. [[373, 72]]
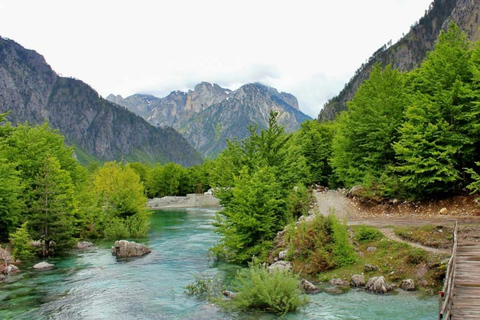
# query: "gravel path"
[[343, 208]]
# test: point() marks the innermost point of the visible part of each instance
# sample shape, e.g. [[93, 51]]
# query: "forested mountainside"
[[209, 114], [99, 129], [410, 51]]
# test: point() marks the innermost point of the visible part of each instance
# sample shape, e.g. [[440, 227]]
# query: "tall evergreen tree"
[[52, 219]]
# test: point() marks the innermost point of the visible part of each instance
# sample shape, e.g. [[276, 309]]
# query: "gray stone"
[[408, 285], [84, 244], [371, 249], [11, 269], [378, 285], [308, 287], [125, 249], [5, 255], [338, 282], [282, 254], [357, 280], [281, 265], [43, 265], [370, 267]]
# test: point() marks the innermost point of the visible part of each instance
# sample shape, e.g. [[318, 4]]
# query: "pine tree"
[[52, 219]]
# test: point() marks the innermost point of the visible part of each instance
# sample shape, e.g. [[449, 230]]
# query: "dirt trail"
[[334, 201], [390, 234], [345, 209]]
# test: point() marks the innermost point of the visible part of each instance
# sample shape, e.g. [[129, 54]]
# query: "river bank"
[[92, 284]]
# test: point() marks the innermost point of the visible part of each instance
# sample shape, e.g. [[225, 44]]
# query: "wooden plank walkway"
[[466, 291]]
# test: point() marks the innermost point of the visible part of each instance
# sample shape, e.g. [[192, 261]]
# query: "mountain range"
[[99, 129], [412, 49], [209, 114]]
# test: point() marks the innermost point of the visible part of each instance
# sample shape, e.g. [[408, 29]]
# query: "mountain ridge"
[[410, 50], [34, 93], [209, 114]]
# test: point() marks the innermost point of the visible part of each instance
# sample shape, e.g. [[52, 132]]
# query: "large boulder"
[[408, 285], [357, 280], [338, 282], [43, 265], [308, 287], [84, 244], [125, 249], [378, 285]]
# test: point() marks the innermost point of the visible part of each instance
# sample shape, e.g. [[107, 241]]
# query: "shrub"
[[367, 234], [21, 244], [320, 244], [205, 286], [272, 291], [343, 252]]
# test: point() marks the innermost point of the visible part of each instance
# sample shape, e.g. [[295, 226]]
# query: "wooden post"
[[440, 303]]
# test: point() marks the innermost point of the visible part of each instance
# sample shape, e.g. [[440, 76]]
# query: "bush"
[[319, 245], [135, 226], [367, 234], [272, 291], [205, 286], [343, 252], [21, 244]]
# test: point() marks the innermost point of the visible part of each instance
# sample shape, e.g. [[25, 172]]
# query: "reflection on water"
[[92, 284]]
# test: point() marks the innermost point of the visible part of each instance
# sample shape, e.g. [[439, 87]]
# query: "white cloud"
[[308, 48]]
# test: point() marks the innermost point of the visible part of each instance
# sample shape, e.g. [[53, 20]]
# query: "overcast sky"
[[309, 48]]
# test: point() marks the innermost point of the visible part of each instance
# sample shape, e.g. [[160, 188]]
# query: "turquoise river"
[[92, 284]]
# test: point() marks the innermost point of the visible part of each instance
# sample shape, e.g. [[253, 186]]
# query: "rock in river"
[[124, 249], [43, 265], [378, 285]]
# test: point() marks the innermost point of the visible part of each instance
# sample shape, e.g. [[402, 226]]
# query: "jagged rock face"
[[33, 92], [204, 95], [412, 49], [210, 114], [138, 103]]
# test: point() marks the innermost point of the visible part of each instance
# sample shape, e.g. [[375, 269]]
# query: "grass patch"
[[428, 235], [395, 261]]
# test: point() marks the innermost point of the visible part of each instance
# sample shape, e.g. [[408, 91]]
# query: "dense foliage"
[[47, 197], [253, 179], [412, 135], [275, 291], [319, 245]]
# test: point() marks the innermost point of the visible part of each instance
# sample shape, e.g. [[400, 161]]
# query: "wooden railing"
[[446, 295]]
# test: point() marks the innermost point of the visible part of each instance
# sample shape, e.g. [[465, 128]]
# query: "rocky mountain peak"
[[209, 114], [204, 95], [99, 129]]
